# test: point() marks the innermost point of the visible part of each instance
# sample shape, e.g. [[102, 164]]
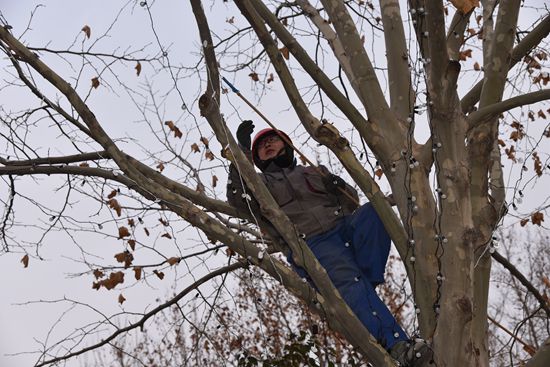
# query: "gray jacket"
[[301, 194]]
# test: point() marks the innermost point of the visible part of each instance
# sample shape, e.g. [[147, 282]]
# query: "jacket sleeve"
[[238, 194]]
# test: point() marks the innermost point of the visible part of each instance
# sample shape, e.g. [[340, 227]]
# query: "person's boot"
[[412, 353]]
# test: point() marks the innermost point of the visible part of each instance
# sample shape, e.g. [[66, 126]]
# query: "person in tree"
[[348, 240]]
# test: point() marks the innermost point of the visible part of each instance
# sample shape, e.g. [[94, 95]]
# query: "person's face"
[[270, 147]]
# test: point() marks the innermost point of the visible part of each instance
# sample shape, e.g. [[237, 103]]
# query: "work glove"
[[333, 183], [244, 132]]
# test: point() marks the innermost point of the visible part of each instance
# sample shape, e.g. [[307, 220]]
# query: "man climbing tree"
[[349, 241]]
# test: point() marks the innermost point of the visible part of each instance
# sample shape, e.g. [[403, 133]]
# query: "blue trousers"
[[354, 254]]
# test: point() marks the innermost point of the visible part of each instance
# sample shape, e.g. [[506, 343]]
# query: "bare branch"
[[516, 273]]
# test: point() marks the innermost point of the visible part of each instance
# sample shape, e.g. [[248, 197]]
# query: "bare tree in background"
[[450, 190]]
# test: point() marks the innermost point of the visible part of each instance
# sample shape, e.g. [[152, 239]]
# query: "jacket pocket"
[[314, 183]]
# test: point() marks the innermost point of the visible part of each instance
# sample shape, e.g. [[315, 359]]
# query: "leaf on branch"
[[159, 274], [231, 20], [537, 164], [546, 133], [285, 52], [200, 188], [209, 155], [511, 153], [138, 68], [137, 272], [146, 231], [229, 252], [524, 221], [476, 66], [167, 235], [254, 76], [537, 218], [516, 135], [84, 164], [464, 6], [131, 222], [25, 261], [160, 167], [214, 180], [270, 78], [541, 114], [123, 232], [113, 204], [177, 132], [98, 274], [87, 31], [164, 222], [173, 260], [531, 116], [112, 194], [125, 257], [132, 244], [471, 31], [379, 173], [501, 143], [204, 141], [95, 82], [121, 299], [546, 281], [195, 148], [114, 279], [463, 55], [531, 63]]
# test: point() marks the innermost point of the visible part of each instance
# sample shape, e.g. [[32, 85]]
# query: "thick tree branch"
[[525, 46], [366, 83], [542, 357], [92, 156], [493, 110], [402, 96]]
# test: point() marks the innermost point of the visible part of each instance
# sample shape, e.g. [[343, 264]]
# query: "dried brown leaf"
[[98, 273], [204, 140], [123, 232], [524, 221], [209, 155], [379, 173], [173, 260], [87, 31], [463, 55], [121, 299], [146, 231], [164, 222], [270, 78], [25, 261], [476, 66], [160, 167], [537, 218], [214, 180], [138, 68], [125, 257], [112, 194], [137, 272], [166, 235], [132, 244], [254, 76], [95, 82], [177, 133], [159, 274], [84, 164], [195, 148]]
